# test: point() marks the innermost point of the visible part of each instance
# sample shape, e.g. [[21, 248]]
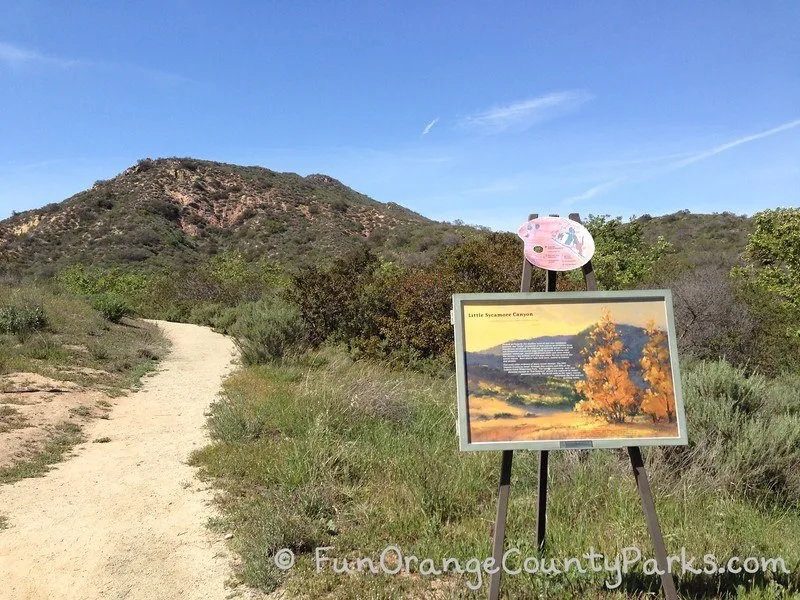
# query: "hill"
[[176, 210], [698, 240]]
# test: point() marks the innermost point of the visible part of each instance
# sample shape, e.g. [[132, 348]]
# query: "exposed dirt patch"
[[39, 404]]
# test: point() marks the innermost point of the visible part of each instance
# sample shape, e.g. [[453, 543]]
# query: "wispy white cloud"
[[686, 159], [429, 126], [605, 164], [17, 57], [743, 140], [594, 191], [522, 115]]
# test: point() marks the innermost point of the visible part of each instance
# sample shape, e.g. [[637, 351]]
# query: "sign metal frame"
[[460, 301]]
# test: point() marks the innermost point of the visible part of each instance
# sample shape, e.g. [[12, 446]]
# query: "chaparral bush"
[[111, 307], [743, 431], [268, 330]]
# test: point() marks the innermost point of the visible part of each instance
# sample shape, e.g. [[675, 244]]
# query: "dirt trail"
[[126, 519]]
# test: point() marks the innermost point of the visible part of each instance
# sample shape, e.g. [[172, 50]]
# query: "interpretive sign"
[[556, 243], [558, 370]]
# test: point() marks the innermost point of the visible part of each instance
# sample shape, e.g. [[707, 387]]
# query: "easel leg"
[[541, 500], [500, 523], [643, 484]]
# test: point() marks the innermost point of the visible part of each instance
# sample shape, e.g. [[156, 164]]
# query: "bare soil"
[[126, 518], [34, 405]]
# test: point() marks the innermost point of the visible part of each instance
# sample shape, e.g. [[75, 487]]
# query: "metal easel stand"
[[637, 463]]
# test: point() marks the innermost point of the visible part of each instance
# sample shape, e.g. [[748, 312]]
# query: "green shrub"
[[268, 330], [135, 287], [214, 314], [198, 292], [400, 312], [770, 286], [718, 384], [775, 344], [205, 313], [168, 210], [784, 395], [744, 433], [623, 257], [22, 320], [145, 164], [189, 164], [195, 293], [224, 319], [327, 299], [111, 307]]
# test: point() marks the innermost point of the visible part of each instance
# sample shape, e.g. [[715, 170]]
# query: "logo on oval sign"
[[557, 243]]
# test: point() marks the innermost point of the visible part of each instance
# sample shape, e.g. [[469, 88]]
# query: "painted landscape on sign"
[[579, 371]]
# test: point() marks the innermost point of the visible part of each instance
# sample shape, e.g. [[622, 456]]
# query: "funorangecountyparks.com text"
[[392, 561]]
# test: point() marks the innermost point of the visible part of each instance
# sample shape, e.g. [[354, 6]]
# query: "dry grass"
[[11, 418], [59, 442]]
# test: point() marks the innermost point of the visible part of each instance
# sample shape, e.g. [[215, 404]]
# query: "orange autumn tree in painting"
[[659, 398], [608, 389]]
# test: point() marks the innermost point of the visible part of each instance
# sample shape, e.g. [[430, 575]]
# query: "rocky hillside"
[[176, 210]]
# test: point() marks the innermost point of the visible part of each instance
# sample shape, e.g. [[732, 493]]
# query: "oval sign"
[[557, 243]]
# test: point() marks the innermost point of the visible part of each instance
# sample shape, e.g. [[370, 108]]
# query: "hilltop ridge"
[[175, 210]]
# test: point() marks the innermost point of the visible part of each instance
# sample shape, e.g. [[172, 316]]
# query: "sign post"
[[658, 411]]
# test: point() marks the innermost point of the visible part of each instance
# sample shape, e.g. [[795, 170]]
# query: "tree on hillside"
[[659, 399], [608, 389], [770, 285], [623, 258], [485, 262], [773, 251]]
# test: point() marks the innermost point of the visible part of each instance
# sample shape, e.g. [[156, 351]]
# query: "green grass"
[[327, 452], [78, 344], [60, 441]]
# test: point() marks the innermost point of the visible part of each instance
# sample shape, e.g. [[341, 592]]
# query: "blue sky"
[[459, 110]]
